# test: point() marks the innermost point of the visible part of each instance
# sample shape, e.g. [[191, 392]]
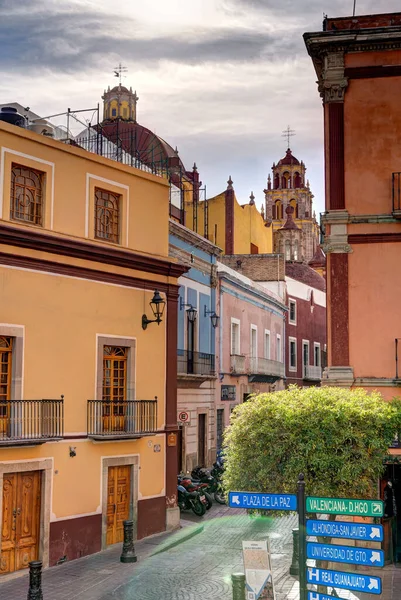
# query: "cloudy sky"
[[220, 79]]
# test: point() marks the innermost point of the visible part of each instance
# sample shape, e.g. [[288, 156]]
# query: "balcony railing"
[[31, 421], [195, 363], [125, 418], [396, 180], [266, 366], [313, 373], [237, 363]]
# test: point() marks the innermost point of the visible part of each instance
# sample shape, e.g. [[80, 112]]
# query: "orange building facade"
[[358, 63], [88, 388]]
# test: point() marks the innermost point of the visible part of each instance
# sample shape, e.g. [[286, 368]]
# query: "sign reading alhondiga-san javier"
[[345, 506]]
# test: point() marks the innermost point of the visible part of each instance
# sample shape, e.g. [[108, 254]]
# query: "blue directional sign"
[[262, 501], [345, 554], [342, 529], [317, 596], [347, 581]]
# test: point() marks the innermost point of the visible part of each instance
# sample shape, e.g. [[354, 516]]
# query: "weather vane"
[[288, 133], [118, 71]]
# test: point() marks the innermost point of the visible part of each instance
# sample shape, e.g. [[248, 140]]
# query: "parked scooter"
[[191, 501], [214, 485], [196, 486]]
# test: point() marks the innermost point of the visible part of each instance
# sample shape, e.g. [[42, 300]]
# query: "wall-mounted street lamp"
[[192, 313], [157, 304], [213, 317]]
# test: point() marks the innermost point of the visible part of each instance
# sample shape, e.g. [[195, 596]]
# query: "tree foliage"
[[337, 437]]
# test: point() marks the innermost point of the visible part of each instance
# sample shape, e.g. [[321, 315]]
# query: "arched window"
[[294, 205], [26, 195], [287, 250], [273, 211], [276, 181], [297, 180], [107, 216], [296, 250], [279, 209]]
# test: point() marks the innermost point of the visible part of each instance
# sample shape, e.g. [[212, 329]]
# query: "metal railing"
[[107, 418], [312, 372], [237, 363], [195, 363], [266, 366], [30, 420], [396, 185]]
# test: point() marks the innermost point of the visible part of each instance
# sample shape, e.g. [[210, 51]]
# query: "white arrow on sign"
[[375, 533], [235, 500], [377, 507], [375, 557], [373, 585]]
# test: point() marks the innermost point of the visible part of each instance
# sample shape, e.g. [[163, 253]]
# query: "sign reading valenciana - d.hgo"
[[345, 506]]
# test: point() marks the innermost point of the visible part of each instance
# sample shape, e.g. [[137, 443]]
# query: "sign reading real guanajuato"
[[347, 581]]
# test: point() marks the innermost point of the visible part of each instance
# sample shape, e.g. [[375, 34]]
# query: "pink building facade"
[[250, 349]]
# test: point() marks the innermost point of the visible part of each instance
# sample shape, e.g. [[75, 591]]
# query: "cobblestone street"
[[198, 568]]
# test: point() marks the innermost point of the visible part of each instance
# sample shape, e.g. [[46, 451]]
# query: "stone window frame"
[[292, 321], [290, 366], [17, 358], [109, 340]]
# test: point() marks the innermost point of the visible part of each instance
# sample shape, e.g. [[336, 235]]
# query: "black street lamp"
[[213, 317], [157, 304], [192, 313]]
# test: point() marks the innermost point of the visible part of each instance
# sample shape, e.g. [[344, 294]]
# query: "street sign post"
[[345, 506], [346, 581], [262, 501], [344, 529], [345, 554]]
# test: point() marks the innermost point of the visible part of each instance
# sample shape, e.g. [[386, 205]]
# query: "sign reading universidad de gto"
[[343, 529], [347, 581], [345, 506], [345, 554]]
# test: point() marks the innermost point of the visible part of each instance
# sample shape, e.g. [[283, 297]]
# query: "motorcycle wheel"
[[198, 508], [209, 501], [219, 497]]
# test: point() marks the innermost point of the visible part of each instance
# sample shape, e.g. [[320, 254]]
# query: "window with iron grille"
[[293, 312], [26, 195], [6, 349], [107, 215]]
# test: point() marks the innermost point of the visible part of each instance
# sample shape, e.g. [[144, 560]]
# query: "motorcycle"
[[196, 486], [191, 501], [214, 485]]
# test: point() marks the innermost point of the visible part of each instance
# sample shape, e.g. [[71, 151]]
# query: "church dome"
[[288, 159], [120, 88]]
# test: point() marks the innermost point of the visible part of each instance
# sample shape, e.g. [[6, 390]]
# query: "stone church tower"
[[288, 188], [119, 103]]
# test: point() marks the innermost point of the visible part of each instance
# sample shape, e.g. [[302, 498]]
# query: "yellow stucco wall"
[[248, 223]]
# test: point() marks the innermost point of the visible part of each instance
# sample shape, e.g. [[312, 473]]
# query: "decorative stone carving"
[[333, 84], [336, 245]]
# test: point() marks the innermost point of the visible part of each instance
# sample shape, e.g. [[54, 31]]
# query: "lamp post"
[[213, 317]]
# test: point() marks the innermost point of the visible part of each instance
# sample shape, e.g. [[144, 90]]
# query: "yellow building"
[[88, 415], [237, 229]]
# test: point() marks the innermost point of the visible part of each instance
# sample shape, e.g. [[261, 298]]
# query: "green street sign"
[[345, 506]]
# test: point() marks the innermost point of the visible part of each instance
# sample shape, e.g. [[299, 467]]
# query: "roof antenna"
[[353, 14]]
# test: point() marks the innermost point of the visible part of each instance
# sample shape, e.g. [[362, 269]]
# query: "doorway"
[[202, 440], [20, 520], [118, 502]]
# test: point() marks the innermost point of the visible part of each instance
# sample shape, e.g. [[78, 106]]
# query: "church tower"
[[288, 188], [119, 104]]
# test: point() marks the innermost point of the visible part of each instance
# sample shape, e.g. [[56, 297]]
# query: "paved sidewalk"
[[197, 569]]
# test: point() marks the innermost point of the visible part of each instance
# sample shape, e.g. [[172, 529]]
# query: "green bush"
[[338, 438]]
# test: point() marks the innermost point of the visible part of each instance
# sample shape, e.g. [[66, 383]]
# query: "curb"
[[186, 534]]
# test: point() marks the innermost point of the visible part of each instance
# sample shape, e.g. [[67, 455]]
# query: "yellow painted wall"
[[248, 223], [71, 176]]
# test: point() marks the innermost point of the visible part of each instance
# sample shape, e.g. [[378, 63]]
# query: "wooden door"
[[20, 520], [6, 347], [118, 502], [202, 440]]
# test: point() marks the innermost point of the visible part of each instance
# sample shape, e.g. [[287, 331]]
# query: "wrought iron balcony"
[[396, 181], [312, 373], [238, 364], [121, 419], [195, 363], [266, 366], [31, 421]]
